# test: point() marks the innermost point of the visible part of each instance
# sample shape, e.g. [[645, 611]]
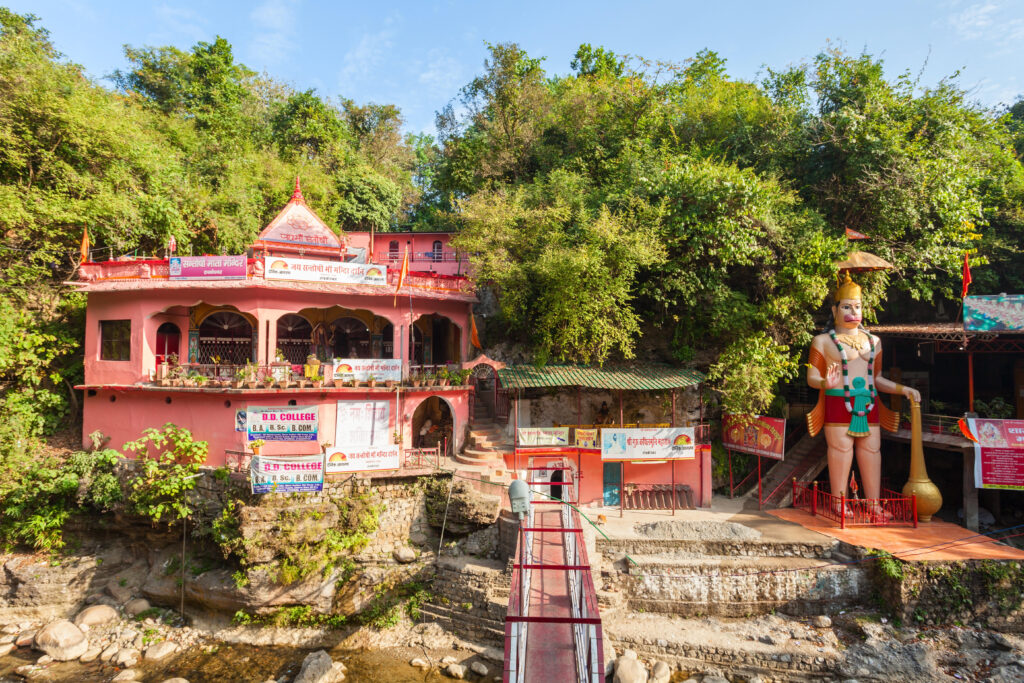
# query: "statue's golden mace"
[[929, 498]]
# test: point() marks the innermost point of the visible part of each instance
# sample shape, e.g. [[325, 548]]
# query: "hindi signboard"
[[363, 424], [647, 443], [282, 423], [543, 436], [759, 435], [998, 453], [994, 313], [363, 459], [361, 369], [207, 267], [310, 270], [586, 438], [292, 474]]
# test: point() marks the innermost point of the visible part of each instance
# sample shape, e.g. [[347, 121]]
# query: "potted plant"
[[371, 381], [317, 380], [257, 446], [285, 381], [398, 438], [389, 383], [177, 376], [200, 380], [268, 381], [415, 378], [442, 377], [429, 379], [189, 380], [464, 376], [279, 358], [239, 378], [324, 446], [338, 382], [302, 381]]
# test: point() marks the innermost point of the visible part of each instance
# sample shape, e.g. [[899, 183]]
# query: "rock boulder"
[[96, 615], [318, 668], [629, 670], [62, 640]]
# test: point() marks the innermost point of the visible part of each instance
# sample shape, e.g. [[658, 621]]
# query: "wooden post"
[[579, 406], [621, 421], [673, 422], [515, 429], [673, 488], [970, 381]]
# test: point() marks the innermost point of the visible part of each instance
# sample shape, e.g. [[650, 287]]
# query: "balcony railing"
[[285, 376]]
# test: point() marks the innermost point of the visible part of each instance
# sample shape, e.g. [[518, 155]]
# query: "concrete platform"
[[953, 542]]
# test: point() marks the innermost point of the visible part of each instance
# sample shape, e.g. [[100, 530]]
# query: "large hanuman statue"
[[845, 364]]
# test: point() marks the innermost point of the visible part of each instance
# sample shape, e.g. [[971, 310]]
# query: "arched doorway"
[[294, 338], [556, 486], [484, 380], [433, 424], [350, 338], [225, 337], [435, 340], [168, 341], [387, 334]]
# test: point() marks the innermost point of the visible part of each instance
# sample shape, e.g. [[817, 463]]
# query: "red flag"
[[965, 430], [967, 276], [474, 337], [855, 235], [401, 274], [173, 244], [84, 249]]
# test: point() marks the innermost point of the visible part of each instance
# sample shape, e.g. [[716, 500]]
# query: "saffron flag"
[[401, 274], [84, 253], [474, 337], [967, 276], [855, 235]]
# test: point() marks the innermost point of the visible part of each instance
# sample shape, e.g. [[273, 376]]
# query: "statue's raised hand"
[[833, 376]]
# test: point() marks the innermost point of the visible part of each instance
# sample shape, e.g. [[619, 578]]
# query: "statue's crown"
[[847, 290]]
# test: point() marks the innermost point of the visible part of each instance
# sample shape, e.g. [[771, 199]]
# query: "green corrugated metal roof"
[[637, 378]]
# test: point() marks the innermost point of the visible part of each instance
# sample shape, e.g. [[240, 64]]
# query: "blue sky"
[[418, 54]]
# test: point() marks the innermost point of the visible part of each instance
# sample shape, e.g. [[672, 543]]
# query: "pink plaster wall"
[[696, 473], [149, 308], [418, 243], [210, 418]]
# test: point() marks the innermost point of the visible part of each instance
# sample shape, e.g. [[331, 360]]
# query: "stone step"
[[731, 586], [753, 550], [474, 457], [465, 624]]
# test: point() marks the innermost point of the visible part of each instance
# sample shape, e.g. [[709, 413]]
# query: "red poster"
[[998, 453], [765, 436]]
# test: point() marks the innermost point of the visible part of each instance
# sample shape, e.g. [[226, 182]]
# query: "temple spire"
[[297, 194]]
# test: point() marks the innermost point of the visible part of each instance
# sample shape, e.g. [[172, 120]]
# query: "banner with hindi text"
[[648, 443], [542, 436], [998, 453]]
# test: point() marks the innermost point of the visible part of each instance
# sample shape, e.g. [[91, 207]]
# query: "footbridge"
[[552, 627]]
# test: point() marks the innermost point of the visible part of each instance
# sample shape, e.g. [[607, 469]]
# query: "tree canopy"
[[624, 209]]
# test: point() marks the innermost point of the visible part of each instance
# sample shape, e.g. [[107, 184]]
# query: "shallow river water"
[[228, 663]]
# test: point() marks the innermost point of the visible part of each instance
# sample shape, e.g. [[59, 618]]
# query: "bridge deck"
[[551, 655]]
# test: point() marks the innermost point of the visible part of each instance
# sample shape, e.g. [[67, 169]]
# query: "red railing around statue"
[[892, 509]]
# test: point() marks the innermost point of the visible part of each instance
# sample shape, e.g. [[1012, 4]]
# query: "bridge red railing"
[[892, 509]]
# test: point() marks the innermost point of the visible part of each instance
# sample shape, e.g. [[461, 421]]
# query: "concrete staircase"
[[804, 461], [487, 443]]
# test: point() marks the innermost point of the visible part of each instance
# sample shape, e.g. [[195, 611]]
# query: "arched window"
[[438, 250], [351, 338], [225, 338], [294, 338], [393, 250], [168, 341]]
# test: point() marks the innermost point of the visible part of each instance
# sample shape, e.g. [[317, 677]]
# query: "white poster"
[[363, 459], [361, 369], [543, 436], [282, 423], [310, 270], [287, 475], [363, 424], [671, 443]]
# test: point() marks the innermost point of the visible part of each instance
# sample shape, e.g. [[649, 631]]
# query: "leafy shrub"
[[168, 462]]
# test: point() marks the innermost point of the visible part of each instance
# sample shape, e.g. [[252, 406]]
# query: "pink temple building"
[[248, 331]]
